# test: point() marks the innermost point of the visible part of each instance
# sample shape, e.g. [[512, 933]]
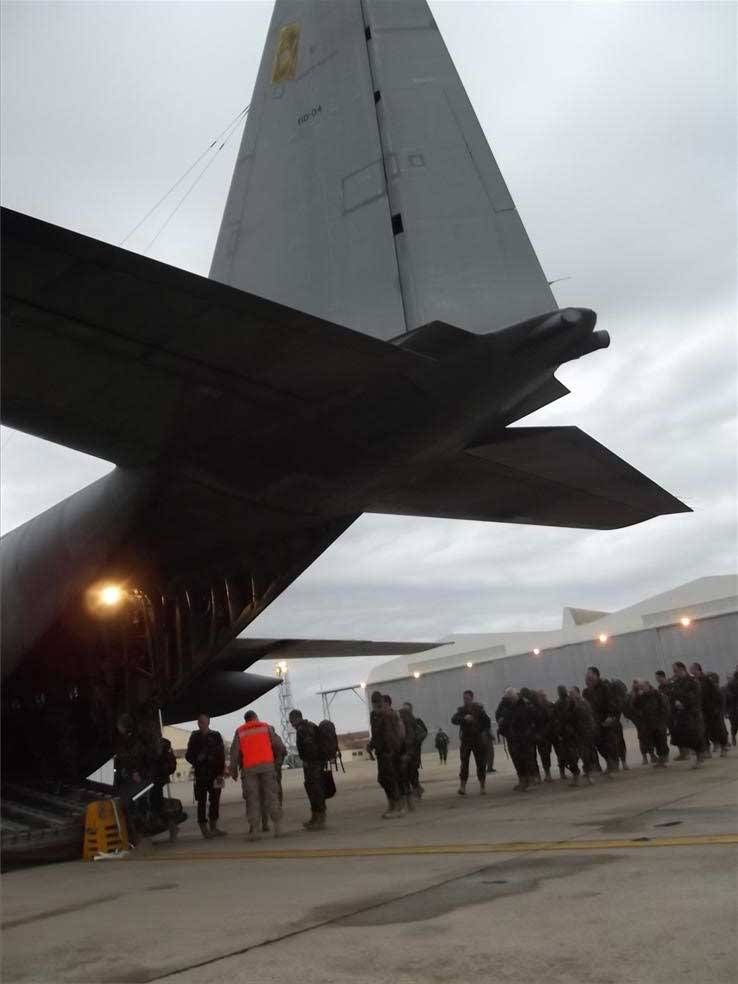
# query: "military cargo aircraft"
[[374, 321]]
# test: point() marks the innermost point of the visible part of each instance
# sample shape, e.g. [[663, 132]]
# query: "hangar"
[[695, 621]]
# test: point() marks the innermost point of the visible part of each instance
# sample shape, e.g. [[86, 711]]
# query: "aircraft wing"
[[112, 353], [546, 476], [242, 653]]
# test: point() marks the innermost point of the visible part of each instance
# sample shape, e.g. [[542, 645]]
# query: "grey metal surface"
[[365, 191], [307, 220], [435, 696], [464, 256]]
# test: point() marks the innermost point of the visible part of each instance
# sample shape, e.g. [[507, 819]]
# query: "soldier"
[[602, 698], [651, 710], [712, 711], [206, 754], [687, 725], [307, 737], [731, 704], [252, 754], [474, 725], [441, 743], [630, 711], [413, 746], [387, 742], [583, 730], [621, 692], [544, 730], [565, 750], [522, 725]]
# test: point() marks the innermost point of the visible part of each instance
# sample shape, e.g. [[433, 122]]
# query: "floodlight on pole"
[[602, 637], [685, 621], [536, 652], [416, 675]]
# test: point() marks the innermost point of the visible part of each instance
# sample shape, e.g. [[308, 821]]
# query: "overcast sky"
[[615, 128]]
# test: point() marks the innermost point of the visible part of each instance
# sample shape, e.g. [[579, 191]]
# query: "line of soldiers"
[[688, 709]]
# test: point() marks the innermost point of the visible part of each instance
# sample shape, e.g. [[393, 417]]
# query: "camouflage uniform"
[[687, 725], [630, 711], [308, 748], [603, 700], [474, 737], [522, 724], [731, 705], [584, 730], [387, 742], [544, 732], [712, 712], [651, 710]]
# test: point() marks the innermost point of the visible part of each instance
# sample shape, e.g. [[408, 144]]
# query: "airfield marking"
[[512, 847]]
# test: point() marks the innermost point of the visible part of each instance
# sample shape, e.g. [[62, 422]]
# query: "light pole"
[[285, 705]]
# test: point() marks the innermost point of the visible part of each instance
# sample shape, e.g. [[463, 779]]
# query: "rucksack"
[[327, 741], [421, 732]]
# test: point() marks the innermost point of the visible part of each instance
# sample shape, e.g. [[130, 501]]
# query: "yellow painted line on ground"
[[510, 847]]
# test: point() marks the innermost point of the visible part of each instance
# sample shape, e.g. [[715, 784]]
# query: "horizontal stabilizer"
[[544, 476], [126, 358]]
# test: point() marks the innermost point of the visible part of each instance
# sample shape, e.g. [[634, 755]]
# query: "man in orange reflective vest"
[[253, 756]]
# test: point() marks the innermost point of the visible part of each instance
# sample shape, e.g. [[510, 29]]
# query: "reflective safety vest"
[[255, 744]]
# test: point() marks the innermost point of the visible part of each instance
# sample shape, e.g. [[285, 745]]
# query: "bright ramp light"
[[469, 665], [685, 621], [602, 637], [363, 684], [536, 652], [416, 675], [111, 595]]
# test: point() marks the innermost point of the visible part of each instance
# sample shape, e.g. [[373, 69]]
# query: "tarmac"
[[630, 880]]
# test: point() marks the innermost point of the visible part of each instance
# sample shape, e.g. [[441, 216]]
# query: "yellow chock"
[[105, 829]]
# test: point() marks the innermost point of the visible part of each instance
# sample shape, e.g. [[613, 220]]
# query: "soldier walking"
[[441, 743], [651, 710], [602, 699], [206, 754], [731, 704], [387, 739], [307, 737], [474, 724], [712, 711], [687, 725]]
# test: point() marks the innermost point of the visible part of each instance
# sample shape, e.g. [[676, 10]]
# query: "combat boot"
[[645, 759], [393, 812], [204, 831], [682, 756], [310, 824], [574, 782], [173, 832], [698, 761], [215, 830], [724, 752], [278, 828], [319, 823], [265, 826], [253, 834], [462, 787], [562, 773], [548, 775], [482, 787], [409, 805]]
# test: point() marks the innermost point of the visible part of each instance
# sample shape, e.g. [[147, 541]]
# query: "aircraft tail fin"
[[365, 191]]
